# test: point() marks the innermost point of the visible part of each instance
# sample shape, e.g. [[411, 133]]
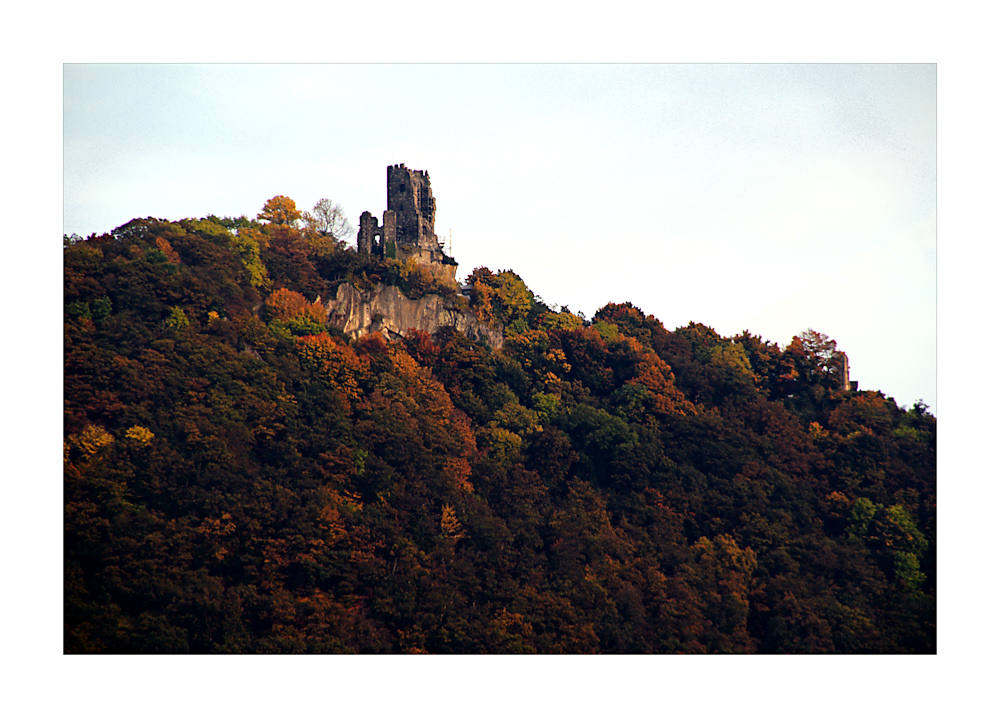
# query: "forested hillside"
[[241, 477]]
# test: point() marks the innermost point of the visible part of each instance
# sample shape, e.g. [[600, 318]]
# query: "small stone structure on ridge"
[[407, 230], [842, 373]]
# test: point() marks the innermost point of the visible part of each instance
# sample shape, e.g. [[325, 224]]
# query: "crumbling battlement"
[[407, 229]]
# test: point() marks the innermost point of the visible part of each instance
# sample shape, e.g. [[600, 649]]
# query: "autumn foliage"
[[239, 477]]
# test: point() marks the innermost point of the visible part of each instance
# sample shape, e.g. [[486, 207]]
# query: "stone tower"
[[842, 373], [407, 230], [408, 194]]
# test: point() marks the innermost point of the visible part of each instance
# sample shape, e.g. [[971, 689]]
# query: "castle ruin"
[[407, 230]]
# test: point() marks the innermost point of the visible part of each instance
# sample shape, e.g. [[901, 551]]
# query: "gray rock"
[[388, 311]]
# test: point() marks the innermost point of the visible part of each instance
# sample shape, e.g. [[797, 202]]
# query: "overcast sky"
[[772, 198]]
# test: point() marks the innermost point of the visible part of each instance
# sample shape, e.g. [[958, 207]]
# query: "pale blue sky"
[[773, 198]]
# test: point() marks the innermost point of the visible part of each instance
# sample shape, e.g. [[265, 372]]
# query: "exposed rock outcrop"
[[388, 311]]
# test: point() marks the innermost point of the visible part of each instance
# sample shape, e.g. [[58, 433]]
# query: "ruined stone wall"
[[367, 232], [390, 237]]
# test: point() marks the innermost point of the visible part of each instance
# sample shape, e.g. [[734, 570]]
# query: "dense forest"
[[240, 476]]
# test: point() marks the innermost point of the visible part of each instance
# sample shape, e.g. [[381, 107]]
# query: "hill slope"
[[241, 477]]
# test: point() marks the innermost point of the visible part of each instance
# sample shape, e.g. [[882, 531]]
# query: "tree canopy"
[[239, 477]]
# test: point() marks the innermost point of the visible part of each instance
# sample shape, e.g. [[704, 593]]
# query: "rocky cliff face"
[[388, 311]]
